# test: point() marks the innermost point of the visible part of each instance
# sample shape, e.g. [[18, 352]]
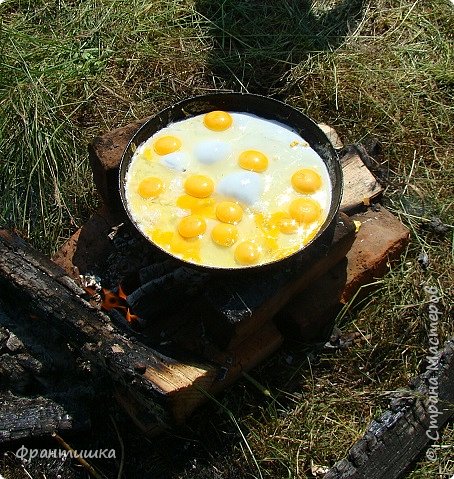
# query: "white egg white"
[[177, 161], [243, 186], [208, 152]]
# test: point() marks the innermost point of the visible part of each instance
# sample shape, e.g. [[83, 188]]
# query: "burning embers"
[[138, 283], [159, 288], [118, 301]]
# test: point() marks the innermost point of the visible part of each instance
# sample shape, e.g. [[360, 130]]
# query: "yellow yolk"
[[148, 153], [305, 210], [224, 234], [218, 120], [188, 249], [246, 253], [150, 187], [166, 145], [199, 186], [203, 206], [270, 225], [229, 212], [192, 226], [306, 181], [278, 222], [288, 225], [253, 160]]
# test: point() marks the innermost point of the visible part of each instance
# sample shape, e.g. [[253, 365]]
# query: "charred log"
[[29, 278], [23, 417]]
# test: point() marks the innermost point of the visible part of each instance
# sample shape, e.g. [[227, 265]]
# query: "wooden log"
[[42, 387], [25, 418], [167, 387], [332, 135], [361, 188], [395, 440], [232, 364], [155, 389]]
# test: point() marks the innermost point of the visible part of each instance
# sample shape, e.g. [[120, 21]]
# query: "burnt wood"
[[164, 293], [23, 417], [166, 387], [43, 387], [394, 441]]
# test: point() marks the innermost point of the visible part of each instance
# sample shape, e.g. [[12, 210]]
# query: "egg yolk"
[[304, 210], [189, 249], [271, 224], [192, 226], [148, 153], [253, 160], [306, 181], [202, 206], [150, 187], [288, 226], [246, 253], [199, 186], [224, 234], [166, 145], [218, 120], [229, 212]]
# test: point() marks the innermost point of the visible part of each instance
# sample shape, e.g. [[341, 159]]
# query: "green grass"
[[384, 69]]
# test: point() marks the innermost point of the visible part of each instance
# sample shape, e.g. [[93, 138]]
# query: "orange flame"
[[131, 318], [111, 300], [121, 294]]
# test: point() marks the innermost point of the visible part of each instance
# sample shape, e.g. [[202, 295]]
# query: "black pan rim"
[[337, 189]]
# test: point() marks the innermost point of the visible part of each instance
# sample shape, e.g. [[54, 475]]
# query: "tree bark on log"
[[163, 385]]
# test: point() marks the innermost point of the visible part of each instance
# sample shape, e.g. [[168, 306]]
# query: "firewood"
[[23, 417], [159, 294], [361, 188], [37, 394], [163, 385]]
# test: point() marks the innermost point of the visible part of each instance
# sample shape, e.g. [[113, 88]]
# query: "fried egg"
[[228, 190]]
